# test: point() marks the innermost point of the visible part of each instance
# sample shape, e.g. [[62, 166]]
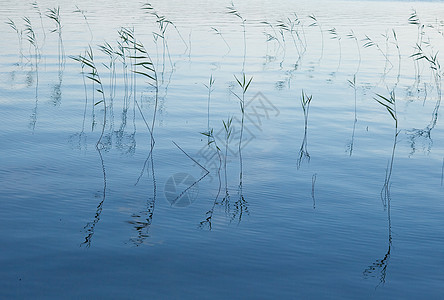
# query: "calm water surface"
[[330, 204]]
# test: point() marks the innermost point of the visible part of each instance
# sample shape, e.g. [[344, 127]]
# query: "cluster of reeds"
[[238, 208], [136, 62]]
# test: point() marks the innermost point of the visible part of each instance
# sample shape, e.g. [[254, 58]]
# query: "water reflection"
[[212, 142], [379, 268], [142, 221], [89, 228], [128, 59], [235, 210], [56, 94]]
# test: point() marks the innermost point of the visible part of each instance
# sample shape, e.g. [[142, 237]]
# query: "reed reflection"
[[89, 228], [142, 220]]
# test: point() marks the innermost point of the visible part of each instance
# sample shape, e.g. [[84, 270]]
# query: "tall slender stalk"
[[389, 103], [368, 42], [335, 36], [228, 130], [240, 206], [210, 212], [350, 146], [93, 75], [54, 14], [35, 5], [352, 36], [303, 152], [315, 23], [233, 11], [210, 90]]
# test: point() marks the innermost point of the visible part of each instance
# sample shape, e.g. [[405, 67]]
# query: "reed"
[[217, 31], [83, 13], [435, 67], [244, 84], [163, 21], [209, 214], [276, 36], [352, 84], [19, 34], [163, 24], [36, 7], [54, 14], [352, 36], [228, 129], [368, 43], [414, 20], [380, 265], [33, 44], [303, 152], [93, 75], [335, 36], [233, 11], [396, 43], [315, 23], [109, 51], [240, 206], [389, 103], [32, 39], [292, 26], [210, 89]]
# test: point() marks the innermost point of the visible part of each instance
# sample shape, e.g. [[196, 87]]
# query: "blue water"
[[296, 214]]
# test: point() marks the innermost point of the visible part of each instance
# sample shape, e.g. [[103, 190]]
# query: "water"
[[308, 220]]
